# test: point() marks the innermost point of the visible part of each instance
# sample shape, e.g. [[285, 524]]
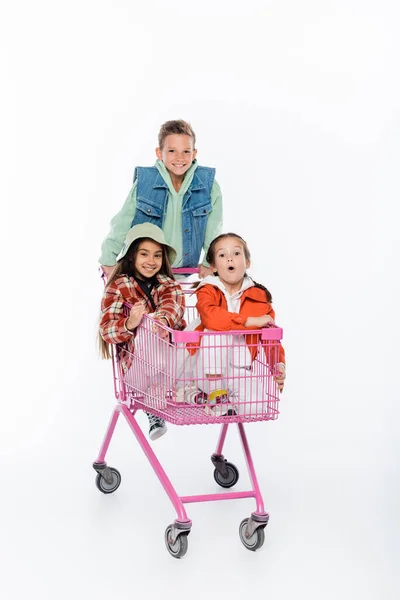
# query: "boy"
[[177, 195]]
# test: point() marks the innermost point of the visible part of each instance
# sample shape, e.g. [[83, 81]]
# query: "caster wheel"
[[108, 487], [179, 548], [255, 541], [231, 478]]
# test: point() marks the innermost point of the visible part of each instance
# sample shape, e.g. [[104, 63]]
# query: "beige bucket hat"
[[147, 230]]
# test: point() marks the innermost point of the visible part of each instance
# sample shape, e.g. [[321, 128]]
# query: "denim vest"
[[151, 207]]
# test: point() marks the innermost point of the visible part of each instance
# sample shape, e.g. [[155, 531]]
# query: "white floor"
[[333, 532], [297, 106]]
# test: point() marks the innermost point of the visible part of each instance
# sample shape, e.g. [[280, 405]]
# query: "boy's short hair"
[[178, 127]]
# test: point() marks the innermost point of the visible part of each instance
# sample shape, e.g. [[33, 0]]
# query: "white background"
[[297, 106]]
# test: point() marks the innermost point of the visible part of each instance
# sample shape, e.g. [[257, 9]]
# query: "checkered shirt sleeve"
[[170, 303], [112, 321]]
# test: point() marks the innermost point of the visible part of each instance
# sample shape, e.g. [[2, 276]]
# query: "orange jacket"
[[213, 312]]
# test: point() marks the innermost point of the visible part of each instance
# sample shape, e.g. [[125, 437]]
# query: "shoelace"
[[153, 420]]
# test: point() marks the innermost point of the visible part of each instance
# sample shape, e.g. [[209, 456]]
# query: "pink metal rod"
[[184, 270], [213, 497], [267, 333], [251, 470], [167, 485], [221, 439], [120, 391], [178, 271], [108, 436], [115, 379]]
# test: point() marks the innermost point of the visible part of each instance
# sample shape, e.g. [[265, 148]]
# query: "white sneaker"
[[157, 427], [218, 404], [190, 394]]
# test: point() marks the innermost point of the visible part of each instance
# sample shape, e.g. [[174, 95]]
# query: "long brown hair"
[[126, 266], [210, 258]]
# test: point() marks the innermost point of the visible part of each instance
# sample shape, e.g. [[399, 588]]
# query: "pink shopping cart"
[[191, 378]]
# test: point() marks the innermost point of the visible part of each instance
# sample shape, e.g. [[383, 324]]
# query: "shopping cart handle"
[[267, 333], [185, 270], [180, 271], [271, 333]]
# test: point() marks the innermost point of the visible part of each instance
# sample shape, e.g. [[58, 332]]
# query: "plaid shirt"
[[167, 295]]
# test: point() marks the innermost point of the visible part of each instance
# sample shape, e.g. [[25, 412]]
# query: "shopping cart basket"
[[192, 378]]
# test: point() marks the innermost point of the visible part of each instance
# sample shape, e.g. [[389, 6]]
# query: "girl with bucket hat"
[[142, 278]]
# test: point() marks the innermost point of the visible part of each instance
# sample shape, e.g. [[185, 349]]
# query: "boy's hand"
[[280, 376], [204, 271], [107, 270], [135, 316]]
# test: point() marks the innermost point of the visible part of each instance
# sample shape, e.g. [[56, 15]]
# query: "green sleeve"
[[214, 223], [120, 225]]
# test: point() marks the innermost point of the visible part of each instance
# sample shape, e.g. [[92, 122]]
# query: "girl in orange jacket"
[[231, 300]]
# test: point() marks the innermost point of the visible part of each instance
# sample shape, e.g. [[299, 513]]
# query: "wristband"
[[131, 331]]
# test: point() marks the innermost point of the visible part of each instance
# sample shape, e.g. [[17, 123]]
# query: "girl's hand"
[[204, 271], [268, 321], [259, 322], [135, 316], [163, 333], [280, 376]]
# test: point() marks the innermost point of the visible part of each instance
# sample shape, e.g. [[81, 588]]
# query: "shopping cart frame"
[[251, 529]]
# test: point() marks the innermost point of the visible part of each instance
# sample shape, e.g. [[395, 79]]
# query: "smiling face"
[[177, 153], [149, 259], [230, 262]]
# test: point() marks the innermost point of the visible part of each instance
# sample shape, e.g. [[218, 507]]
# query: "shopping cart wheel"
[[253, 542], [226, 474], [178, 548], [108, 480]]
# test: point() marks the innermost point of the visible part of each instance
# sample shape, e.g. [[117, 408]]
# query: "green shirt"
[[172, 227]]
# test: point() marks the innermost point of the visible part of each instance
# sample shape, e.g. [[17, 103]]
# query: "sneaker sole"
[[158, 432], [220, 410]]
